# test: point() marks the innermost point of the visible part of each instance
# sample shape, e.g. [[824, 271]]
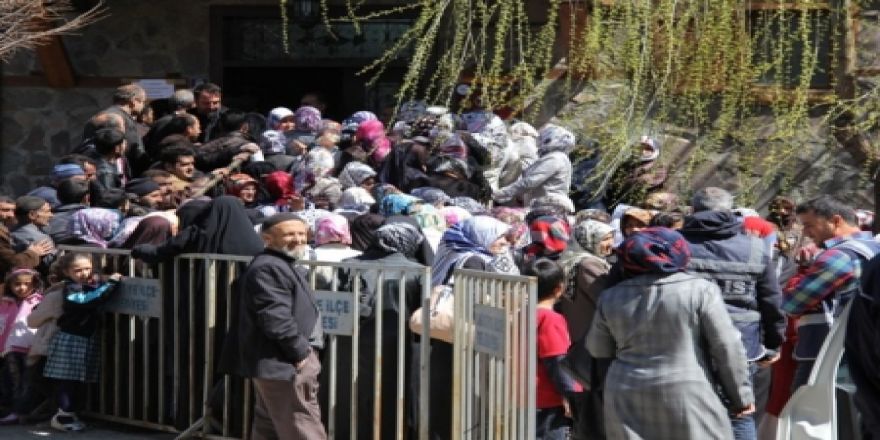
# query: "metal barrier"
[[494, 356], [160, 370]]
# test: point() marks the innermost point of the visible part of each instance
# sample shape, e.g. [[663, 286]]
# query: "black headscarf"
[[363, 230], [225, 228], [190, 211]]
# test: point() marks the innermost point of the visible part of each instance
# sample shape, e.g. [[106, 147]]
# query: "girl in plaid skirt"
[[73, 352]]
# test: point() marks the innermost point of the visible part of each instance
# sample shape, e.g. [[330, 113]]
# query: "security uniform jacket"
[[277, 317], [741, 266]]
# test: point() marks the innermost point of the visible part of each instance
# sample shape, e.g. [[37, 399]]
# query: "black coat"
[[277, 318]]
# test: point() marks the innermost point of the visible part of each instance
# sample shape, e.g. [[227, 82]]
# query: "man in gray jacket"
[[278, 324], [740, 264]]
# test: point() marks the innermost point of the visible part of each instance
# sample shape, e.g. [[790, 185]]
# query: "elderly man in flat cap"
[[279, 325]]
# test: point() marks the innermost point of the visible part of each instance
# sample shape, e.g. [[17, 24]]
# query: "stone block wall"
[[137, 39]]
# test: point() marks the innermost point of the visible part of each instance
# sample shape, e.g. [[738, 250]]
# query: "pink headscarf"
[[332, 228], [369, 131], [454, 215], [381, 148]]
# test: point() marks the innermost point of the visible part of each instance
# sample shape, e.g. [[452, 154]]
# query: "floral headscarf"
[[354, 174], [655, 250], [308, 118], [95, 226], [429, 218], [332, 228], [555, 138]]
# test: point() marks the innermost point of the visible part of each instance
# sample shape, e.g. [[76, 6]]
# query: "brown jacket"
[[589, 282], [9, 259]]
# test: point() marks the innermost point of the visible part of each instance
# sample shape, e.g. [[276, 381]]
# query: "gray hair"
[[125, 94], [182, 99], [712, 198]]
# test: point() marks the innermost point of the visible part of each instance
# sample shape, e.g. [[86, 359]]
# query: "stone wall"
[[137, 39]]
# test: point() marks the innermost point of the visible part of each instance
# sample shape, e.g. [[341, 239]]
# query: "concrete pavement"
[[95, 430]]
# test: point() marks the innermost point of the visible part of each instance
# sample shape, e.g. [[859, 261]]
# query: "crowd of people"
[[692, 319]]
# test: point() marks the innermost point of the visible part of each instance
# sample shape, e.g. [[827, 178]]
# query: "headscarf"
[[238, 182], [589, 233], [332, 228], [95, 226], [363, 230], [471, 237], [453, 147], [380, 149], [471, 205], [354, 174], [223, 228], [273, 142], [364, 115], [356, 198], [280, 187], [555, 138], [397, 204], [639, 214], [276, 115], [655, 250], [319, 162], [151, 230], [430, 218], [399, 237], [190, 211], [550, 236], [308, 119], [431, 195], [454, 215], [514, 217], [652, 144], [370, 130], [558, 203]]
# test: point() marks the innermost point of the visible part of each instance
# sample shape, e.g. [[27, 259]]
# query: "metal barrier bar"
[[495, 356], [493, 393]]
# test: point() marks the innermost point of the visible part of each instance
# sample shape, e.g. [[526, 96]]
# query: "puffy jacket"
[[741, 266], [550, 174]]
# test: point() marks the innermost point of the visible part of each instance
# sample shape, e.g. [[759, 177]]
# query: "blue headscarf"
[[397, 204]]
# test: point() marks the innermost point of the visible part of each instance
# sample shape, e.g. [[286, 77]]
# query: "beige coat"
[[44, 318]]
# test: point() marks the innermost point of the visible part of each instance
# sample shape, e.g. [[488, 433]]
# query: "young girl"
[[21, 294], [73, 352]]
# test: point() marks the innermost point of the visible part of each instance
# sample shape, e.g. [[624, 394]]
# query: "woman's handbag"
[[441, 315]]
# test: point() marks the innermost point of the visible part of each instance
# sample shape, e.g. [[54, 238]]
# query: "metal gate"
[[494, 356]]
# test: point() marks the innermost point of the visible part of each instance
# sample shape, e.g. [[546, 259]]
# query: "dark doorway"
[[257, 73]]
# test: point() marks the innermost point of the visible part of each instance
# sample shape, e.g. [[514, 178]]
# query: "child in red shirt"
[[553, 384]]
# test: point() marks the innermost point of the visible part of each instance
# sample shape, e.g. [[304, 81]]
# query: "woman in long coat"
[[666, 329]]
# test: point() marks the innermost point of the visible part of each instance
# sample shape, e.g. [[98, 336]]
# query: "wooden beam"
[[56, 63]]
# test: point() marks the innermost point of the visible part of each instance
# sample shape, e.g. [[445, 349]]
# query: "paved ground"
[[96, 430]]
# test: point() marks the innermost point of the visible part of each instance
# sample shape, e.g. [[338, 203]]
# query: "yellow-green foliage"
[[734, 74]]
